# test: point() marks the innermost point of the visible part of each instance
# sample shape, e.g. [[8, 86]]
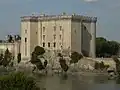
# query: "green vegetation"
[[101, 66], [62, 62], [37, 54], [105, 48], [75, 57], [117, 61], [17, 81], [6, 59]]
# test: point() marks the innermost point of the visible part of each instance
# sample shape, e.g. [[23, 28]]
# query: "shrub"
[[63, 64], [38, 51], [7, 58], [17, 81], [102, 66], [97, 66], [75, 57]]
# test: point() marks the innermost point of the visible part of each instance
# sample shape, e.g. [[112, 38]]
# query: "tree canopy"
[[75, 57], [105, 48], [38, 51]]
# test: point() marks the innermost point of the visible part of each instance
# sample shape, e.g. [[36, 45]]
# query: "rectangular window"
[[49, 44], [25, 47], [43, 29], [43, 37], [54, 28], [60, 37], [25, 31], [60, 28], [54, 36], [43, 44], [54, 44], [25, 39]]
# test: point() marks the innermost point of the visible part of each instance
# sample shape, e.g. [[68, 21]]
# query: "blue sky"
[[107, 11]]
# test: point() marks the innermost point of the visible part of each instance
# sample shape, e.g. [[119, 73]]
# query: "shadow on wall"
[[86, 38]]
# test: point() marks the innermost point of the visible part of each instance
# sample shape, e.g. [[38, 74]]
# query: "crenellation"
[[51, 17], [29, 18], [94, 19]]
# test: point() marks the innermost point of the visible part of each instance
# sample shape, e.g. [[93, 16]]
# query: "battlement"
[[44, 17]]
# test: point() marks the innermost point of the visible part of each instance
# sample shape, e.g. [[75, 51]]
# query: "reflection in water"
[[79, 82], [118, 80], [64, 77]]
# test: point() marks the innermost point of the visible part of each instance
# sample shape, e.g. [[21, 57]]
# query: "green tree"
[[62, 62], [113, 47], [7, 58], [37, 54], [39, 50], [75, 57], [105, 48], [97, 65], [102, 66]]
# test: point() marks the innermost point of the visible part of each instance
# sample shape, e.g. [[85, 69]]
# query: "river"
[[78, 82]]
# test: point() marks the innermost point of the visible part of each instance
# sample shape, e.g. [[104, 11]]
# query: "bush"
[[97, 66], [6, 58], [102, 66], [63, 64], [39, 50], [17, 81], [75, 57]]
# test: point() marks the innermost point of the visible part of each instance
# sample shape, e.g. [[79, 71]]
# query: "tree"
[[102, 66], [37, 54], [7, 58], [97, 65], [62, 62], [75, 57], [105, 48], [113, 47], [39, 50]]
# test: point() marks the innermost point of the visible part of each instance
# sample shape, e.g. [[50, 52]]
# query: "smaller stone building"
[[13, 47]]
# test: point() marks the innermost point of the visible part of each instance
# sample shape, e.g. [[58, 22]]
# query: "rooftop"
[[62, 16]]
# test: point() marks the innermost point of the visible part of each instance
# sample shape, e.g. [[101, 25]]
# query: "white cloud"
[[90, 0]]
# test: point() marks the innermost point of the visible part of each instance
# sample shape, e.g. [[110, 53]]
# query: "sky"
[[107, 12]]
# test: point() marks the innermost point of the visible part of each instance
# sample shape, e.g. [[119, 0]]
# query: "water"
[[78, 82]]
